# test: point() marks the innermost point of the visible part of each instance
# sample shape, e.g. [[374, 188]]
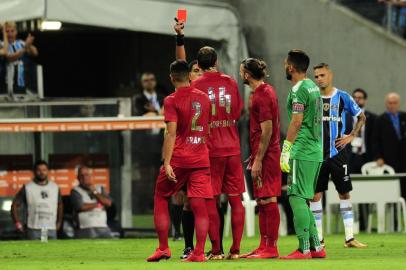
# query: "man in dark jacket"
[[149, 102], [390, 137], [361, 148]]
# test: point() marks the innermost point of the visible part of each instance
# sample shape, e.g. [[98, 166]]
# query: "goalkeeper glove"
[[285, 156]]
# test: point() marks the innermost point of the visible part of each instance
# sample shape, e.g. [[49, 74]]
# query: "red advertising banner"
[[16, 170], [64, 125], [64, 170]]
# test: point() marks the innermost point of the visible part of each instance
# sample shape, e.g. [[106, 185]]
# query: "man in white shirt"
[[90, 206], [43, 202]]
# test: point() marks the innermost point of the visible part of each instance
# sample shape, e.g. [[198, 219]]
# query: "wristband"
[[180, 40], [287, 145]]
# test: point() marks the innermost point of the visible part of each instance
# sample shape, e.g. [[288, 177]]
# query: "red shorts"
[[271, 178], [197, 181], [227, 175]]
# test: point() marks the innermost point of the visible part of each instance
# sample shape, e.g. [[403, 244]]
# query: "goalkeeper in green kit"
[[302, 153]]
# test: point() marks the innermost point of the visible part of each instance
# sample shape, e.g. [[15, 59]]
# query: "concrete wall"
[[360, 53]]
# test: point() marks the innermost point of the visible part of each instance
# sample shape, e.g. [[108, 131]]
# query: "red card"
[[182, 14]]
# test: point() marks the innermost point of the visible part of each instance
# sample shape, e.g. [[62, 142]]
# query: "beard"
[[246, 82], [288, 75]]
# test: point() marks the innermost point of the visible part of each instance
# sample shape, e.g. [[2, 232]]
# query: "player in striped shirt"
[[336, 103]]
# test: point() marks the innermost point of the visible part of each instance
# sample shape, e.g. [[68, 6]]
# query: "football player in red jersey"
[[186, 161], [265, 154], [187, 214], [224, 148]]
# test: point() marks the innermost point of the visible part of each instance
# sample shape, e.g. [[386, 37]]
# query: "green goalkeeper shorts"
[[302, 178]]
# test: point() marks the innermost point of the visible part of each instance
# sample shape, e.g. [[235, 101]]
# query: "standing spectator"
[[361, 148], [15, 78], [147, 143], [90, 207], [149, 102], [3, 54], [390, 137], [43, 202]]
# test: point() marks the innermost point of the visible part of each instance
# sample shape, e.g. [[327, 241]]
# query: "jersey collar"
[[332, 94]]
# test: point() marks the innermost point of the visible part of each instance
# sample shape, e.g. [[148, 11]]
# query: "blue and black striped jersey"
[[334, 119]]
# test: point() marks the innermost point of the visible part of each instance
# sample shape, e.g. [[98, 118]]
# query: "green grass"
[[384, 252]]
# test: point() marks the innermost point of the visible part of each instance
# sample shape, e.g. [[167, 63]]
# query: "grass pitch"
[[384, 252]]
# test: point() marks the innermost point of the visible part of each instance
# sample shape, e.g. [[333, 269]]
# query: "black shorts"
[[337, 167]]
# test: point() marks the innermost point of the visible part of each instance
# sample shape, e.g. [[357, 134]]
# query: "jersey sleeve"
[[170, 114], [265, 104], [300, 98], [351, 106]]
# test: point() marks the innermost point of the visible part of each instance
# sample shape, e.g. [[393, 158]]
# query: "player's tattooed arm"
[[266, 134], [169, 143], [346, 139], [294, 127]]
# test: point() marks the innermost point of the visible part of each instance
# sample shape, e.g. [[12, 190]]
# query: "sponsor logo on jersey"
[[312, 89], [332, 118], [44, 194]]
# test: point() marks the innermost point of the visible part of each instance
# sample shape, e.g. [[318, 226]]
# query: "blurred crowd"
[[395, 16]]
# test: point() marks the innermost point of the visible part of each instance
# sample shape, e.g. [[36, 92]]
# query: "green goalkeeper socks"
[[301, 220]]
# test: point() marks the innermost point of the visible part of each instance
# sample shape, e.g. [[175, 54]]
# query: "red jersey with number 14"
[[190, 109], [226, 105]]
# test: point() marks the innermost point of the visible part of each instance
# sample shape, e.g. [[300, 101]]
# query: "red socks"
[[269, 220], [161, 220], [237, 222], [199, 209], [214, 229]]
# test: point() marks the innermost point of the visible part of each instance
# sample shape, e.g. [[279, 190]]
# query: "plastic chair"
[[249, 205], [372, 168]]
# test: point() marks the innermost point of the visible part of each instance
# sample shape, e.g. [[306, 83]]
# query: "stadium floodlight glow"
[[51, 25]]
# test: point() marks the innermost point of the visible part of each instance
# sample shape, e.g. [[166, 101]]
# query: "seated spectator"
[[17, 50], [89, 206], [43, 202], [149, 102]]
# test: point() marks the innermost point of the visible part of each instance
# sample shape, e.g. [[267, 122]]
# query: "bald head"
[[392, 102]]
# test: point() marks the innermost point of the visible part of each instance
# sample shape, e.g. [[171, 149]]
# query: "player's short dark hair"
[[321, 65], [362, 91], [206, 57], [179, 70], [191, 64], [39, 163], [255, 67], [299, 60]]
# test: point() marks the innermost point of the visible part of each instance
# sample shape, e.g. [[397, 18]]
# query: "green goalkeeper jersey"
[[305, 98]]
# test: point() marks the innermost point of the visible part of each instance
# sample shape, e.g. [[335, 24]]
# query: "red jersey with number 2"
[[190, 109], [225, 108]]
